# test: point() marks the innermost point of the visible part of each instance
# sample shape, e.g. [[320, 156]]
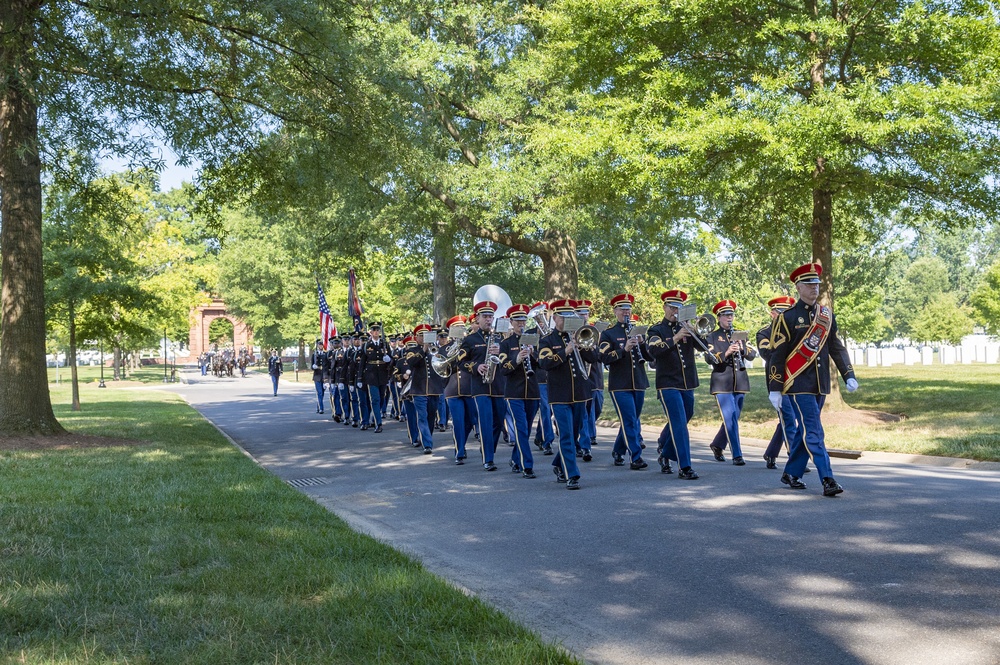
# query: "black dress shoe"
[[642, 445], [587, 456], [321, 412], [717, 451], [378, 430], [665, 465], [428, 451], [637, 465], [363, 428], [831, 487], [792, 482], [593, 442], [772, 462], [738, 461], [618, 459], [459, 461], [514, 468], [573, 483], [489, 466], [687, 473], [528, 473], [579, 452], [560, 476], [547, 451]]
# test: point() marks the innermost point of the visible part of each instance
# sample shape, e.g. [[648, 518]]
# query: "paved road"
[[638, 567]]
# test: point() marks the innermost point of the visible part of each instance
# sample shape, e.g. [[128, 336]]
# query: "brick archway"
[[201, 319]]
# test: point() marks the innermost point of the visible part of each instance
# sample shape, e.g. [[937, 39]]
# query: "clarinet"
[[636, 359], [529, 371]]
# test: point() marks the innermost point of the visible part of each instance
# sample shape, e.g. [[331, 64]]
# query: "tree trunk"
[[72, 357], [559, 261], [117, 363], [444, 274], [822, 249], [25, 403], [300, 362]]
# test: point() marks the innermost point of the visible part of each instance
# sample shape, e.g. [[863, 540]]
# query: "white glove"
[[315, 366], [359, 384], [775, 398], [340, 385], [852, 385], [387, 359], [352, 388]]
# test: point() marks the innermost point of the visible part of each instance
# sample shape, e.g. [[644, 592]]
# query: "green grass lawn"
[[947, 410], [182, 550]]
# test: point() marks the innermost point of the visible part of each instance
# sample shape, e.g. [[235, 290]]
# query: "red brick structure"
[[201, 319]]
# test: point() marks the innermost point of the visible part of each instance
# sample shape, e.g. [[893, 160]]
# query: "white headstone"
[[926, 355], [992, 353], [948, 354], [872, 359], [910, 355]]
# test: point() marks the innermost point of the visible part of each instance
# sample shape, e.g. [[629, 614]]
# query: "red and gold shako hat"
[[724, 307], [423, 327], [563, 307], [623, 300], [518, 312], [781, 303], [583, 306], [807, 273], [410, 339], [635, 317], [540, 303], [455, 321], [484, 307], [674, 297]]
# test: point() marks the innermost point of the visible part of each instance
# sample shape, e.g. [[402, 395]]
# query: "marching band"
[[514, 370]]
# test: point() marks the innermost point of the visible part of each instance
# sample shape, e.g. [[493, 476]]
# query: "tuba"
[[537, 314]]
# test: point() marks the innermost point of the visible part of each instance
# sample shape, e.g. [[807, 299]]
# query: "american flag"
[[326, 325], [354, 309]]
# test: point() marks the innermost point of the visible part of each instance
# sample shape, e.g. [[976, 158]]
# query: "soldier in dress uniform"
[[569, 389], [803, 342], [785, 414], [544, 433], [676, 378], [317, 362], [458, 393], [441, 423], [596, 404], [518, 363], [626, 358], [377, 361], [274, 369], [401, 374], [355, 379], [424, 386], [729, 382], [479, 356], [340, 402]]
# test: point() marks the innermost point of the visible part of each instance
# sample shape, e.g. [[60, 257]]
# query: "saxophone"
[[492, 361]]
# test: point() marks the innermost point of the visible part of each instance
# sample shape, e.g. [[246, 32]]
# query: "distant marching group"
[[495, 382]]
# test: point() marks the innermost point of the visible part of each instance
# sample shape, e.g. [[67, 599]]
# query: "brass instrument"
[[492, 361], [443, 364], [537, 315], [702, 325], [585, 337]]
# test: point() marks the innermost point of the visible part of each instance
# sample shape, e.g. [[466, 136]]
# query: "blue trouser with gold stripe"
[[490, 418], [807, 438], [463, 414], [522, 411], [569, 420], [412, 428], [675, 442], [545, 432], [421, 402], [628, 404], [730, 406], [786, 426]]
